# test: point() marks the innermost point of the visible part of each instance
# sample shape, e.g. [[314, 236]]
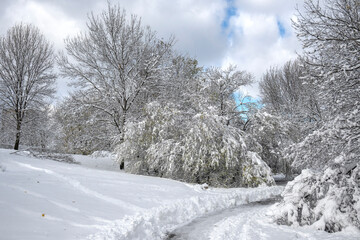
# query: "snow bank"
[[156, 222]]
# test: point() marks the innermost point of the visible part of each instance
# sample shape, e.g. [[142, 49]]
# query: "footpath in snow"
[[45, 199]]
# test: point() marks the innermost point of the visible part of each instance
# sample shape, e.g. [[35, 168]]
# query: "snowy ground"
[[45, 199]]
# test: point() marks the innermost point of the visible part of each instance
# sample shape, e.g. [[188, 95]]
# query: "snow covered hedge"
[[328, 200], [198, 148]]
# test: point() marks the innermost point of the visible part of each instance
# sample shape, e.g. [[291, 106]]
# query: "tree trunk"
[[17, 140], [122, 138], [122, 164]]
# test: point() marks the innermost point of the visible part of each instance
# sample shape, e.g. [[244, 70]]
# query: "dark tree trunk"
[[17, 140], [122, 136], [122, 164]]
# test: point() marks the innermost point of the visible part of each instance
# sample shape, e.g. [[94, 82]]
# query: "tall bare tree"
[[26, 76], [114, 63]]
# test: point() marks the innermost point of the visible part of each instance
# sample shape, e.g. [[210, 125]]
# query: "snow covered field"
[[45, 199]]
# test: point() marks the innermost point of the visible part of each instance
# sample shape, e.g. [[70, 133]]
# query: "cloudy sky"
[[253, 34]]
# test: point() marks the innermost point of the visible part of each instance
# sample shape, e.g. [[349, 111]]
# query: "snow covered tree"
[[217, 154], [188, 139], [199, 148], [26, 74], [114, 62], [162, 125], [35, 128], [330, 34], [328, 196], [183, 83]]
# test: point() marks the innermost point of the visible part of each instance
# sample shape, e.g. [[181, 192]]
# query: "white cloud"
[[255, 43], [196, 24], [52, 22], [256, 40]]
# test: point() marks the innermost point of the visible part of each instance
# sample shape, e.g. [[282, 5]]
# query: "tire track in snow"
[[76, 184], [40, 196]]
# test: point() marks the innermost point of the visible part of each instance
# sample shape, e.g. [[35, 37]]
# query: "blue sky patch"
[[231, 11], [243, 108], [282, 30]]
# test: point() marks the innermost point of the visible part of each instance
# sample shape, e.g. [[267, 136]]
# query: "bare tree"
[[114, 62], [26, 76]]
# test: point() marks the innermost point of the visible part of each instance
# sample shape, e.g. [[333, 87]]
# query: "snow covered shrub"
[[198, 148], [255, 171], [328, 200], [327, 197]]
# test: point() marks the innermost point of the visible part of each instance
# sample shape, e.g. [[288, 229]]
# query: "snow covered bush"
[[328, 200], [198, 148]]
